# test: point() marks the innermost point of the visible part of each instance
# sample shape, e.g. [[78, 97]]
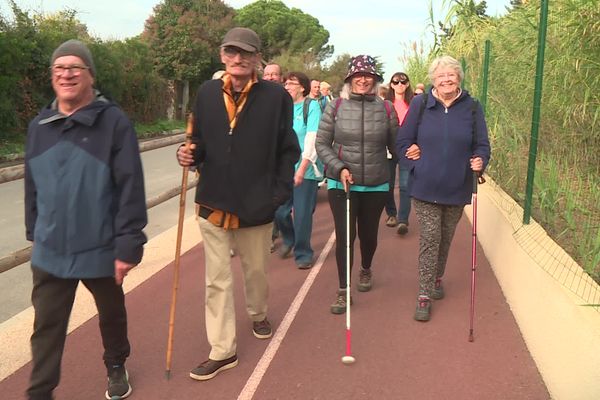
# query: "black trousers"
[[52, 299], [365, 212]]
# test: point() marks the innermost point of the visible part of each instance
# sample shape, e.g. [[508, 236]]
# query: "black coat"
[[249, 172]]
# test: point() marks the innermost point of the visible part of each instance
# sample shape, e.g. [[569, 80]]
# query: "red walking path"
[[396, 357]]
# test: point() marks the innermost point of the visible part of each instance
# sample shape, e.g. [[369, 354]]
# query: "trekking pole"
[[473, 252], [184, 179], [348, 359]]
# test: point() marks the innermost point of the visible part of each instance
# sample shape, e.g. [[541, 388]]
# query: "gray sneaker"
[[438, 290], [365, 280], [118, 383], [423, 310], [210, 368], [262, 329], [285, 251], [339, 305]]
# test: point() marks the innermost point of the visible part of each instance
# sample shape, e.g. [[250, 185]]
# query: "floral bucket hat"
[[363, 64]]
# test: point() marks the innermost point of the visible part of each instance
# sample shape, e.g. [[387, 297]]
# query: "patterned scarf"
[[234, 107]]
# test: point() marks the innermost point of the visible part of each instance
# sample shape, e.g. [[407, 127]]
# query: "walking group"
[[262, 148]]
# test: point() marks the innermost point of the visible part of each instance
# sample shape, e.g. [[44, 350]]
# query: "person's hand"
[[298, 178], [346, 179], [121, 270], [413, 152], [185, 156], [476, 164]]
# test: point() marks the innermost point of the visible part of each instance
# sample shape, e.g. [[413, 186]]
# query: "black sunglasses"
[[404, 82]]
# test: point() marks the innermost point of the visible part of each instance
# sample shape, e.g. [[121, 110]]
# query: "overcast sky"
[[381, 28]]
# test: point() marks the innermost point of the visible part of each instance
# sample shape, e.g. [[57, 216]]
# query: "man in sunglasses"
[[245, 149]]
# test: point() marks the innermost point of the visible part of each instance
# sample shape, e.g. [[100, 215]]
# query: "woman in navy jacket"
[[442, 141]]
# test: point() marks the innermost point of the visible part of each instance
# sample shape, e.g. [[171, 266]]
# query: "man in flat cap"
[[245, 149], [85, 209]]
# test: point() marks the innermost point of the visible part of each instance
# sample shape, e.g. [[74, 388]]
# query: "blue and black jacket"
[[84, 191]]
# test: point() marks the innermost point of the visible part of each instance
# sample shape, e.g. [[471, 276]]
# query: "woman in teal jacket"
[[296, 232]]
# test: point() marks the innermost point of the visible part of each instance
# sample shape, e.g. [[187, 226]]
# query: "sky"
[[383, 28]]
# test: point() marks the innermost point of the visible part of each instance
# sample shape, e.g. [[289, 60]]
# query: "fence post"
[[535, 119], [485, 76]]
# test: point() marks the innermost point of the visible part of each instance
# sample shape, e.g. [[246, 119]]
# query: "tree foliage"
[[26, 44], [282, 30], [184, 36], [123, 69], [467, 14]]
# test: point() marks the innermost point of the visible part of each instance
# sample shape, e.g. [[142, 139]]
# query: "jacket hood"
[[85, 115]]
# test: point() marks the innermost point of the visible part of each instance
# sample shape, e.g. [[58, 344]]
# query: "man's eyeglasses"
[[402, 81], [59, 69], [234, 51]]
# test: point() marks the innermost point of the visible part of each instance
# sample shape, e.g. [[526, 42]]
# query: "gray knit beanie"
[[75, 48]]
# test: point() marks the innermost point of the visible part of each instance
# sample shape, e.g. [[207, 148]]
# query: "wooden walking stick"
[[184, 179]]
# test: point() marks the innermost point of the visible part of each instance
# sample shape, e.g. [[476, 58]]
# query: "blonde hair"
[[445, 61]]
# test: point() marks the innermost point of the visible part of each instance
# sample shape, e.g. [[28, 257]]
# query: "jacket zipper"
[[362, 140]]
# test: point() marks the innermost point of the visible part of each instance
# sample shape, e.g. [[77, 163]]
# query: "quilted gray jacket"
[[354, 134]]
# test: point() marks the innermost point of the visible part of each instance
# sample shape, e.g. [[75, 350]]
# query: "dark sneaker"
[[391, 221], [339, 305], [285, 251], [210, 368], [262, 329], [118, 383], [438, 290], [402, 228], [423, 311], [365, 280]]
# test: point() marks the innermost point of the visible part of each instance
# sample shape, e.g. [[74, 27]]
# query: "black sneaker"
[[365, 280], [423, 311], [438, 290], [262, 329], [210, 368], [118, 383]]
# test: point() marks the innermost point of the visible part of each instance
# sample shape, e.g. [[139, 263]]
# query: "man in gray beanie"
[[85, 209], [75, 48]]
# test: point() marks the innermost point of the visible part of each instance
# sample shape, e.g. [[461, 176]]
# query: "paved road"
[[397, 357], [161, 173]]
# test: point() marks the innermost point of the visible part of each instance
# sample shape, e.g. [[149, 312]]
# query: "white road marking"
[[263, 364]]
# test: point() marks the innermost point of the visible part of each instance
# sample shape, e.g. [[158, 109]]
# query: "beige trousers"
[[252, 245]]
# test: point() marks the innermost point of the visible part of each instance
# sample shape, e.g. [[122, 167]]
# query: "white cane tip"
[[348, 360]]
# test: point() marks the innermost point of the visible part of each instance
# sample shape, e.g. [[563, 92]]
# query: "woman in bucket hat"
[[355, 131]]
